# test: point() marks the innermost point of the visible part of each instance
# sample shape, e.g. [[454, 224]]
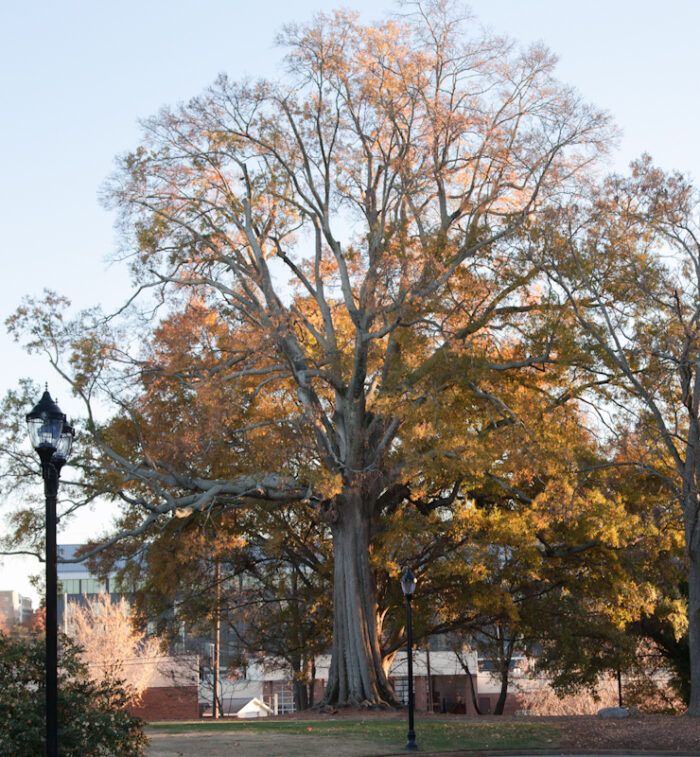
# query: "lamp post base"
[[411, 745]]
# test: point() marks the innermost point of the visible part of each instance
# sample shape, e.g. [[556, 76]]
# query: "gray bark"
[[694, 633], [690, 512], [503, 693], [356, 676]]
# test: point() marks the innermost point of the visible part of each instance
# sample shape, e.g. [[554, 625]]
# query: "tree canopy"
[[388, 290]]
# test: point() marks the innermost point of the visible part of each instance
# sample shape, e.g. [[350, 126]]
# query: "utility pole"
[[217, 709]]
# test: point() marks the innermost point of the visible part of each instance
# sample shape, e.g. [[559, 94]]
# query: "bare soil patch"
[[641, 733], [258, 745]]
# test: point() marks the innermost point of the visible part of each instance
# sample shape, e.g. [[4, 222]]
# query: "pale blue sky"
[[76, 75]]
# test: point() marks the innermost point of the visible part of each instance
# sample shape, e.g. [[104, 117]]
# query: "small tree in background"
[[545, 700], [111, 647]]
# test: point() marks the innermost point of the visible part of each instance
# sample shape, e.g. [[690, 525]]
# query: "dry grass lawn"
[[350, 735]]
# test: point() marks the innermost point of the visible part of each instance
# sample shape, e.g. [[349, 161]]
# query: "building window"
[[69, 586], [92, 586], [515, 665], [401, 689]]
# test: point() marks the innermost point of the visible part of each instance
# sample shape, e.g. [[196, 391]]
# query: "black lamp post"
[[408, 586], [52, 438]]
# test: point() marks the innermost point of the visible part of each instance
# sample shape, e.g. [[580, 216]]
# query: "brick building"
[[440, 684], [173, 690]]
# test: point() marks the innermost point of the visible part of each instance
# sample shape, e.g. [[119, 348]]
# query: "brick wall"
[[487, 703], [168, 703]]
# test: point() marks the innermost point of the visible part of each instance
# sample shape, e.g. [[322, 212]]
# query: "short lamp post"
[[52, 438], [408, 586]]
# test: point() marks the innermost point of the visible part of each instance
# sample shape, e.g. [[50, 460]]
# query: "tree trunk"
[[431, 695], [312, 684], [619, 687], [463, 659], [300, 691], [692, 544], [356, 676], [694, 630], [472, 693], [470, 678], [303, 680], [501, 703]]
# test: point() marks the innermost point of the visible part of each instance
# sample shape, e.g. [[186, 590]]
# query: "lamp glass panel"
[[65, 443], [408, 582], [45, 432]]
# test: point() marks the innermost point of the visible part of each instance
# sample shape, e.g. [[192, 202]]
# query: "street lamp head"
[[45, 424], [65, 443], [408, 582]]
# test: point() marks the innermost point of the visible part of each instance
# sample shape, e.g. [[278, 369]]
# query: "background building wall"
[[15, 609]]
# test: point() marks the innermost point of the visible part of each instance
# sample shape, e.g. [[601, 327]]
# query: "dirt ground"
[[650, 734], [258, 745], [642, 733]]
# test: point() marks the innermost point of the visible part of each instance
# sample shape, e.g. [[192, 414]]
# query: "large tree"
[[357, 227], [628, 261]]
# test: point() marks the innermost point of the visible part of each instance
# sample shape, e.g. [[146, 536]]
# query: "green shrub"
[[92, 717]]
